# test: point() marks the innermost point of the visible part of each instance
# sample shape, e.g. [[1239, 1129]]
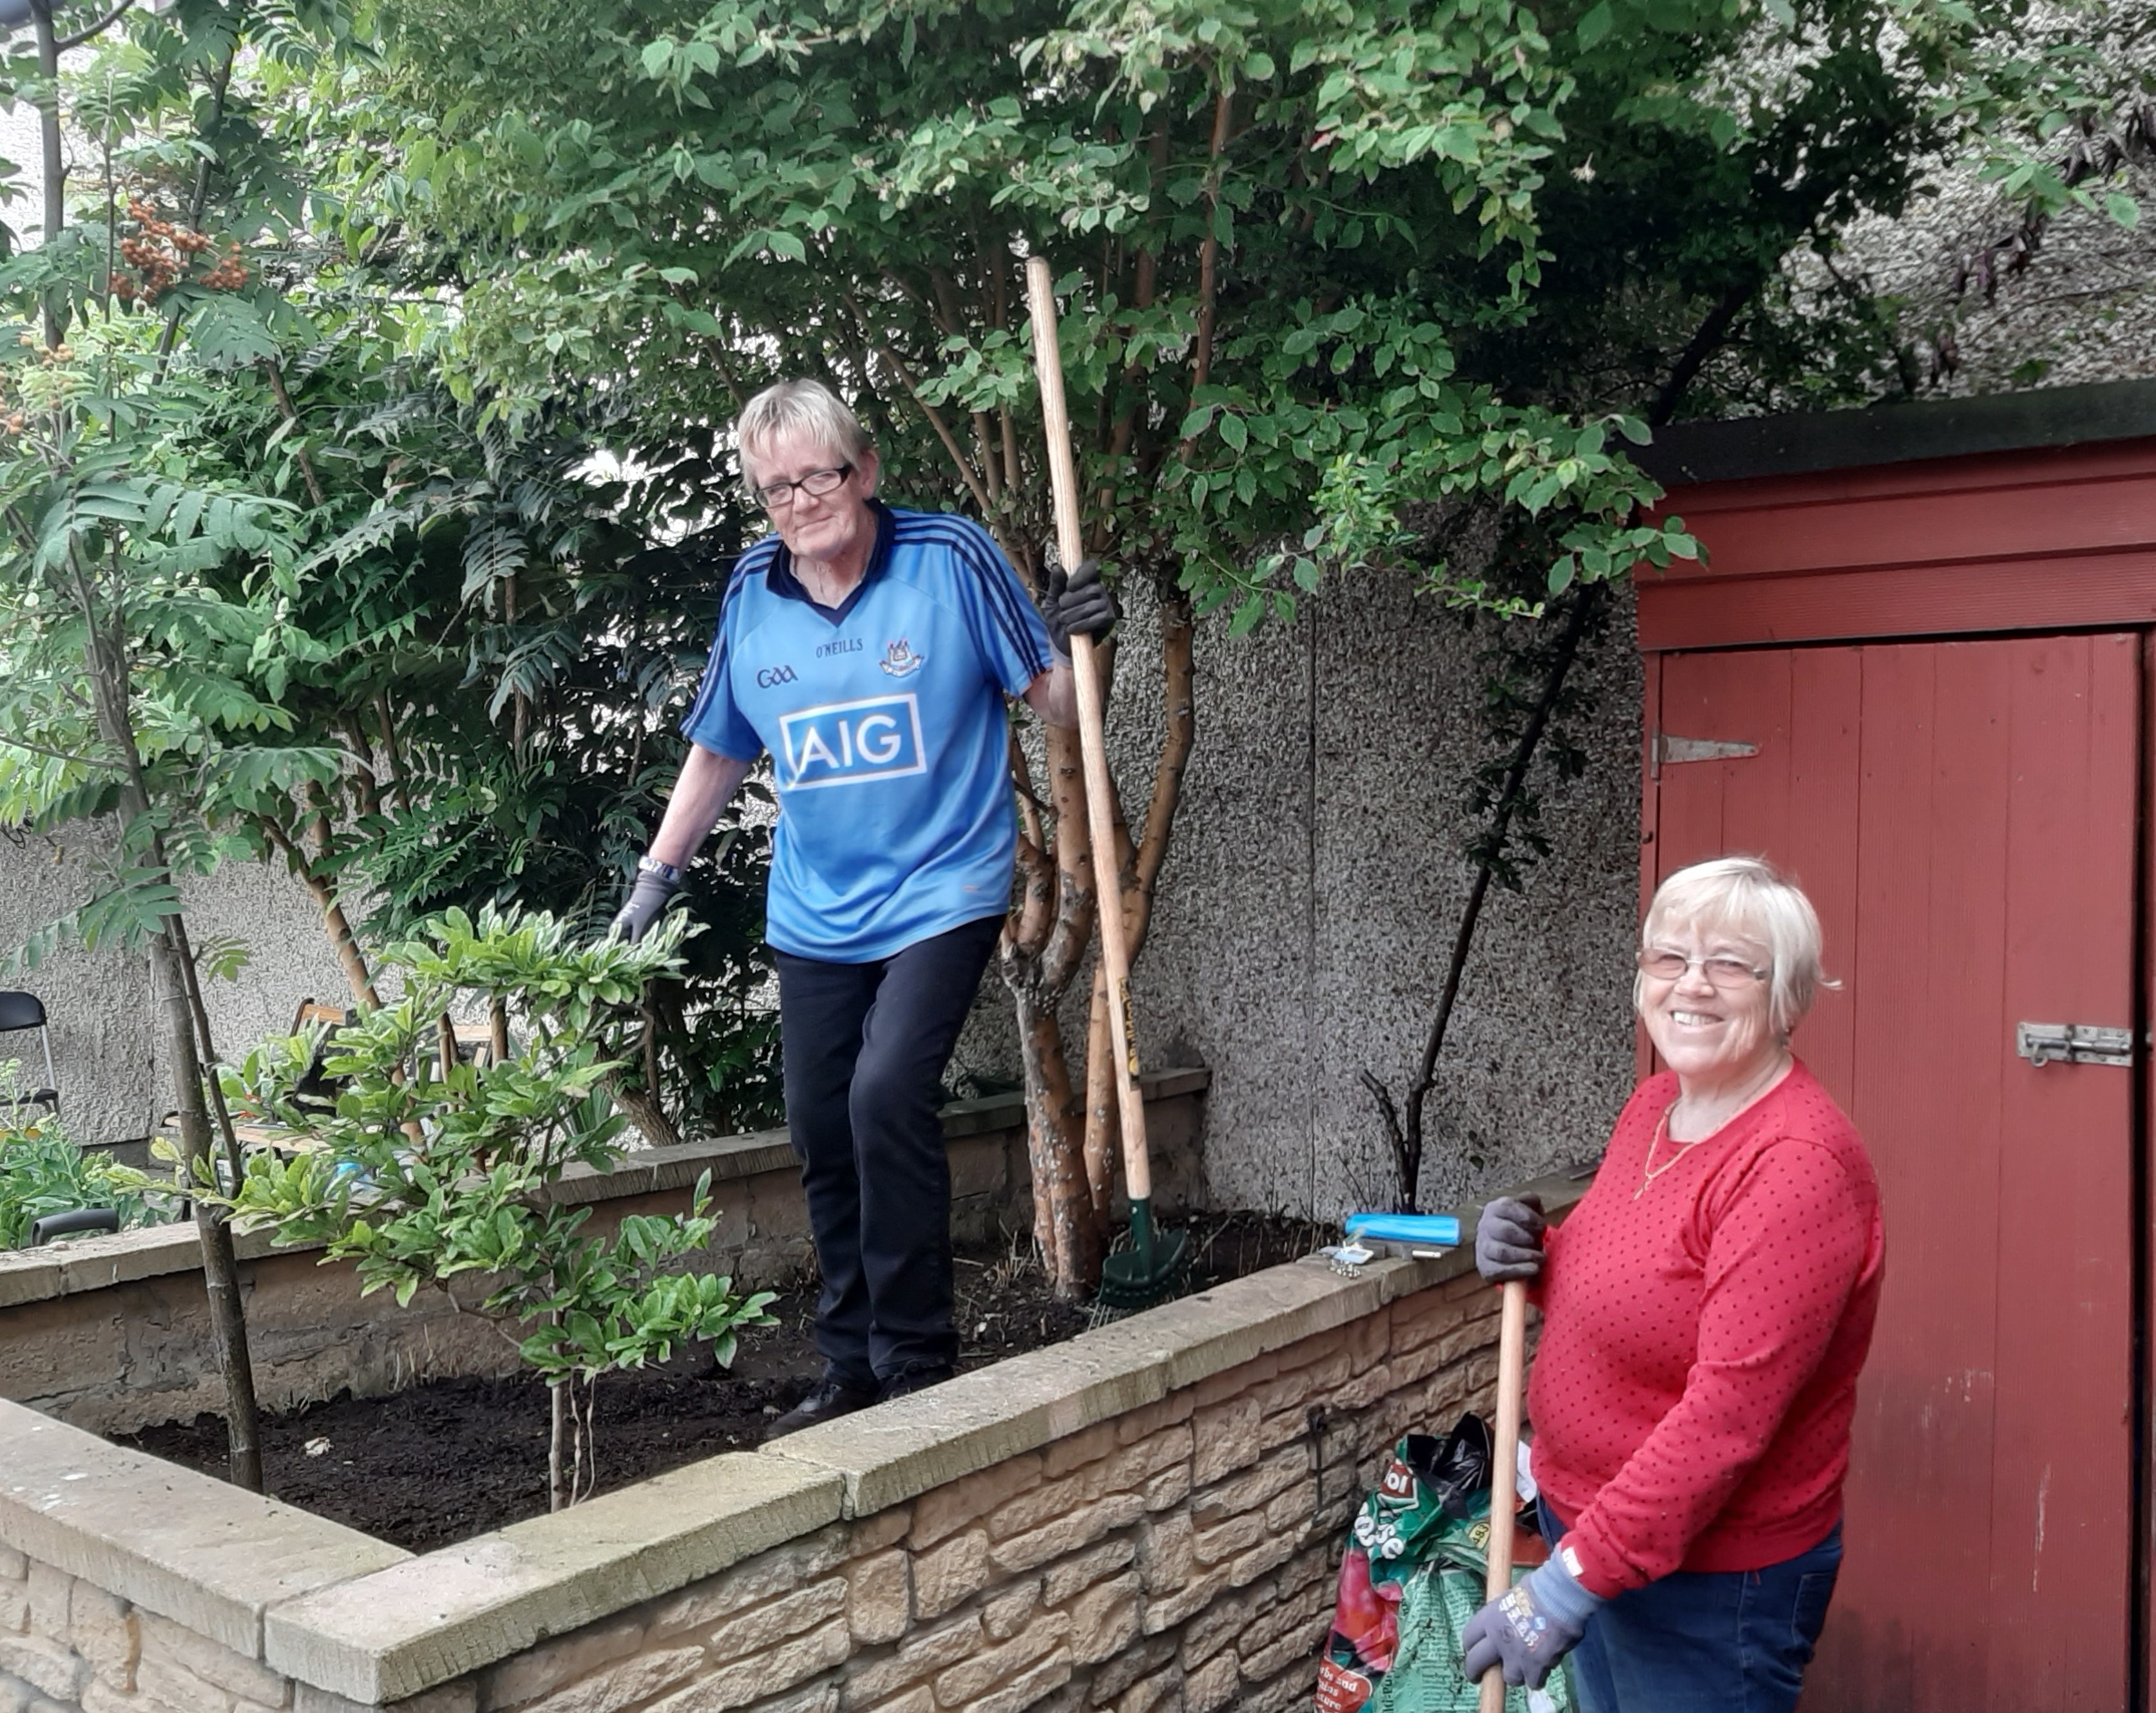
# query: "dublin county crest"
[[900, 660]]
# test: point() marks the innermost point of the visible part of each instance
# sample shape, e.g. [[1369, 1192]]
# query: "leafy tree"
[[430, 1170], [118, 654], [454, 684], [1359, 286]]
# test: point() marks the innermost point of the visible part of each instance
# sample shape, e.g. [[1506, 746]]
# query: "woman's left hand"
[[1529, 1630]]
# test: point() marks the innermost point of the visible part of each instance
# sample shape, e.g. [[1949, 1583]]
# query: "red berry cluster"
[[164, 253]]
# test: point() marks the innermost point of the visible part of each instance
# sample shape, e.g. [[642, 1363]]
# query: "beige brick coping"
[[187, 1547], [366, 1621], [100, 1263], [903, 1448], [426, 1620]]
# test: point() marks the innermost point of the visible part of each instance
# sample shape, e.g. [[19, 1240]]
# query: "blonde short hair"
[[1751, 899], [807, 407]]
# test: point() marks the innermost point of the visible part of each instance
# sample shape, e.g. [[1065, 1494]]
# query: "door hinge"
[[1668, 751], [2073, 1043]]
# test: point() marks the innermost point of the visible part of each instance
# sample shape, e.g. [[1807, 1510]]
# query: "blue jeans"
[[1705, 1641]]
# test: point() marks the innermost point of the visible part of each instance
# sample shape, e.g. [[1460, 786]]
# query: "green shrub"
[[421, 1178], [43, 1170]]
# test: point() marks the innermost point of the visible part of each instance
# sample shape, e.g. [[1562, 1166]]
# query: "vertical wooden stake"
[[1504, 1465], [1100, 813]]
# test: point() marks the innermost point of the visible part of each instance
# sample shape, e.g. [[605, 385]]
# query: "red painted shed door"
[[1962, 814]]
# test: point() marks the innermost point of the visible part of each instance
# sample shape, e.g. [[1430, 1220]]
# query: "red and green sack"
[[1412, 1575]]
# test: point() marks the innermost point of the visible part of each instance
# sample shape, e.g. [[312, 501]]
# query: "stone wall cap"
[[101, 1262], [187, 1546], [1006, 1110], [899, 1450], [426, 1620]]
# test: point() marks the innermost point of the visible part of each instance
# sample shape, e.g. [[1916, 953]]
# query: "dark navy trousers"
[[1732, 1641], [865, 1046]]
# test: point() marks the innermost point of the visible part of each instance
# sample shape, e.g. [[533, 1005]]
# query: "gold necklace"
[[1649, 1171]]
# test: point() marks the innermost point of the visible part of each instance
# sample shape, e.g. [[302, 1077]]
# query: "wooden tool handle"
[[1504, 1465], [1092, 736]]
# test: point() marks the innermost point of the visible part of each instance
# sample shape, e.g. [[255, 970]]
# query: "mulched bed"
[[452, 1458]]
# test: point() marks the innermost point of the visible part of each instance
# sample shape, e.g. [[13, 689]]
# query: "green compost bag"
[[1412, 1574]]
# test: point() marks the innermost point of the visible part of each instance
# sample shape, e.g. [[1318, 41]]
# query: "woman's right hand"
[[1508, 1240]]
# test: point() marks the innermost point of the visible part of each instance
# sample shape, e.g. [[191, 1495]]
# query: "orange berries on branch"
[[162, 256]]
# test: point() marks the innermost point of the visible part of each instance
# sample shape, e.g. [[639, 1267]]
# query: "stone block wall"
[[67, 1642], [1182, 1555], [1147, 1520]]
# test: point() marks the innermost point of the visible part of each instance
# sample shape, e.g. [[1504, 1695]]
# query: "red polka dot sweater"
[[1702, 1333]]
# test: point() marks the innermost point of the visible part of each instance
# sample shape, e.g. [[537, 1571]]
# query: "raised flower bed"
[[1146, 1514]]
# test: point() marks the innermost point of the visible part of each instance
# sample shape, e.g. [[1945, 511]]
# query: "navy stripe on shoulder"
[[976, 549]]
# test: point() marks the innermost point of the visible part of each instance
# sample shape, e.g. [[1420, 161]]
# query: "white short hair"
[[1750, 898], [805, 408]]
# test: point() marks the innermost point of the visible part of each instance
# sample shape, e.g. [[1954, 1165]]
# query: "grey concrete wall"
[[113, 1083], [2083, 307], [1307, 908]]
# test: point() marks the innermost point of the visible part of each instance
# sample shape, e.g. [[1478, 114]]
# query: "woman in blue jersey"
[[868, 652]]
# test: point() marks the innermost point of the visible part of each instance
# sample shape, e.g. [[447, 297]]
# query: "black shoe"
[[913, 1380], [830, 1398]]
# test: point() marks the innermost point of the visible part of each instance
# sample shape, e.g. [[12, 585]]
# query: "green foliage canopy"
[[1326, 264]]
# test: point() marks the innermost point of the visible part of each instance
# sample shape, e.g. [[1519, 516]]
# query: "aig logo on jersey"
[[845, 743]]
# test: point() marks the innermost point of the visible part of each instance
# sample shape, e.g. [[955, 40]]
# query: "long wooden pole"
[[1092, 742], [1504, 1466]]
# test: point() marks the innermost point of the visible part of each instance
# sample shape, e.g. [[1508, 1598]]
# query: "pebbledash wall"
[[1148, 1517]]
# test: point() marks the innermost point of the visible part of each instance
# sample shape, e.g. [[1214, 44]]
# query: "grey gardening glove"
[[1077, 604], [646, 902], [1531, 1629], [1508, 1240]]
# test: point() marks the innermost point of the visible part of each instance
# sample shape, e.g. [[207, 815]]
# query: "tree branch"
[[276, 371], [1587, 600], [95, 30], [1703, 345], [943, 433]]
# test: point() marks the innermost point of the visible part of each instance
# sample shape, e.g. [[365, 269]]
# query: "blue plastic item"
[[1438, 1230]]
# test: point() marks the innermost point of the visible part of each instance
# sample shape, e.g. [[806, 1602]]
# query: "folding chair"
[[20, 1011], [315, 1087]]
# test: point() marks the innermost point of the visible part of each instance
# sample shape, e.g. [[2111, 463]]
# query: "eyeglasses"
[[774, 496], [1659, 963]]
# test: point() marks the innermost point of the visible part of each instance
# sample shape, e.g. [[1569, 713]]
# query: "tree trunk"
[[645, 1112], [53, 174], [227, 1320], [228, 1315], [335, 923], [1064, 1223], [1043, 947], [558, 1444], [1137, 867]]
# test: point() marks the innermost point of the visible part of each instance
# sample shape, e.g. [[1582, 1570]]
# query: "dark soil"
[[453, 1458]]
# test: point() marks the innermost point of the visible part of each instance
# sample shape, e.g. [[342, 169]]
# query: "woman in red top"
[[1705, 1308]]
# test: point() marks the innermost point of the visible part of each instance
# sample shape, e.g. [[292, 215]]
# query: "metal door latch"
[[2073, 1043], [1667, 751]]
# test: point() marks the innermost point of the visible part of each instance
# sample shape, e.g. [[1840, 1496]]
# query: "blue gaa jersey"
[[885, 723]]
